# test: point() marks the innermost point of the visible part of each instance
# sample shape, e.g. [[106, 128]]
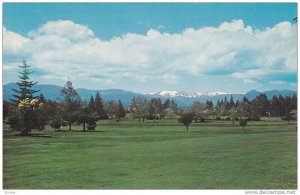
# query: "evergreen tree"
[[121, 111], [42, 98], [231, 102], [27, 115], [260, 105], [91, 105], [99, 107], [24, 84], [275, 106], [166, 104], [246, 100]]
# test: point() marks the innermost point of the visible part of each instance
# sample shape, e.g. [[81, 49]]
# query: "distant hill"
[[253, 93], [183, 99]]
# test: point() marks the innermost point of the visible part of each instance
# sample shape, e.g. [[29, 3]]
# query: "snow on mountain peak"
[[172, 93], [211, 93], [184, 94]]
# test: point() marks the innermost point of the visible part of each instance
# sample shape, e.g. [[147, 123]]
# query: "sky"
[[149, 47]]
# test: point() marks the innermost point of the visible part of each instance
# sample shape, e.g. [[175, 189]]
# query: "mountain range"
[[182, 99]]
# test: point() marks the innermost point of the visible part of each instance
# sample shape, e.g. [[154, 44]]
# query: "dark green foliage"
[[91, 105], [25, 85], [91, 123], [25, 119], [15, 120], [56, 123], [154, 107], [83, 116], [71, 104], [29, 113], [99, 107], [7, 107], [121, 113], [231, 102], [243, 123], [209, 105], [186, 119], [260, 105]]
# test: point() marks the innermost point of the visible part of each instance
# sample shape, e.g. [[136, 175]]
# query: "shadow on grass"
[[35, 135], [81, 131]]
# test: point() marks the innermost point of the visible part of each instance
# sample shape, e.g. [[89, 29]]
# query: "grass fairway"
[[129, 155]]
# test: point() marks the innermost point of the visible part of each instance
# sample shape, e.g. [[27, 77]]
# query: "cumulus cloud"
[[65, 48], [13, 43]]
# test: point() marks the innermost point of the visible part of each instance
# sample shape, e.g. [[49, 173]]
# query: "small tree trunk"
[[187, 128], [70, 127], [83, 126]]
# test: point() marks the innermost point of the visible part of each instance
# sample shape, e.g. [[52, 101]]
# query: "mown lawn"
[[132, 155]]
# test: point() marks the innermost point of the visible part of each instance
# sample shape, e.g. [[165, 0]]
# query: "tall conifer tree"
[[25, 84]]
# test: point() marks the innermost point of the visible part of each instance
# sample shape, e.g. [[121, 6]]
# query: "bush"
[[15, 121], [64, 123], [243, 123], [202, 120], [236, 119], [227, 118], [218, 118], [91, 124], [56, 123]]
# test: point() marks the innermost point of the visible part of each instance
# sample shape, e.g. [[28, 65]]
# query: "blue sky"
[[148, 47]]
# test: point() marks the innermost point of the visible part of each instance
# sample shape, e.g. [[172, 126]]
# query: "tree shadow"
[[35, 135]]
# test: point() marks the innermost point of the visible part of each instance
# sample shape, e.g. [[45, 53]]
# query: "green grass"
[[129, 155]]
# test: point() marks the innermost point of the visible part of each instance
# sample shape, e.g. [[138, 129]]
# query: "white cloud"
[[63, 48], [13, 43], [63, 28]]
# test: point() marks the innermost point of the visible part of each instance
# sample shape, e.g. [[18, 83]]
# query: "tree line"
[[27, 111]]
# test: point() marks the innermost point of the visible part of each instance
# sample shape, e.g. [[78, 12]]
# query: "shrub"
[[218, 118], [227, 118], [243, 123], [56, 123], [64, 123], [91, 124], [186, 119]]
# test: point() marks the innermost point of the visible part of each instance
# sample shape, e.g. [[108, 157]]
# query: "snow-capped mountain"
[[182, 99], [185, 94], [211, 93], [171, 94]]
